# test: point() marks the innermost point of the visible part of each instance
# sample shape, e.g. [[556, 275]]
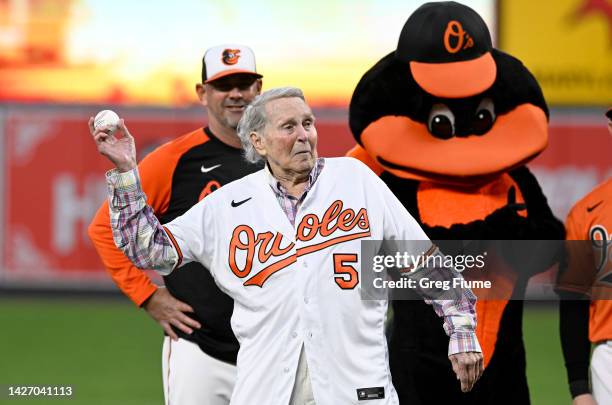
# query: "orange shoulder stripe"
[[157, 168], [156, 171], [176, 246]]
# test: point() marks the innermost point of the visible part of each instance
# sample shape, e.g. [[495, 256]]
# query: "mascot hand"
[[507, 222]]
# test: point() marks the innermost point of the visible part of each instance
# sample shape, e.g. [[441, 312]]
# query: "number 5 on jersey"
[[347, 276]]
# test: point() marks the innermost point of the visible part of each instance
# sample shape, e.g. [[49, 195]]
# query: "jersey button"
[[305, 300], [294, 335], [286, 370], [305, 264]]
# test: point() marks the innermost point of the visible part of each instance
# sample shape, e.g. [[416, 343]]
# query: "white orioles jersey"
[[300, 285]]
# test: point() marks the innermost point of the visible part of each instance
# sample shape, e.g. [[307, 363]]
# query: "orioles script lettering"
[[269, 246]]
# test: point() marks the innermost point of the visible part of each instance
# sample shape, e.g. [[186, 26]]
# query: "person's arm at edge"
[[574, 325], [575, 344]]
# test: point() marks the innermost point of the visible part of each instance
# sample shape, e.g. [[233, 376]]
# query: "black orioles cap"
[[448, 48]]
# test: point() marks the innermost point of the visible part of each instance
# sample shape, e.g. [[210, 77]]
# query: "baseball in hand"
[[107, 118]]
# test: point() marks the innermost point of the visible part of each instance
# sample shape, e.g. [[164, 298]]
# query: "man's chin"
[[306, 164], [232, 119], [232, 123]]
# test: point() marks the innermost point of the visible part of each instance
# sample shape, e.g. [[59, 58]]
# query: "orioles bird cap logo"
[[230, 56], [456, 38]]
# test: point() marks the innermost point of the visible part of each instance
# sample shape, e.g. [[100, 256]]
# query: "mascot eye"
[[441, 122], [484, 118]]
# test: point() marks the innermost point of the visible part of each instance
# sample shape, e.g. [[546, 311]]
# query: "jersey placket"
[[309, 269]]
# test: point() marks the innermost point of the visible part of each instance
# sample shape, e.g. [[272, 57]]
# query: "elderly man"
[[284, 243]]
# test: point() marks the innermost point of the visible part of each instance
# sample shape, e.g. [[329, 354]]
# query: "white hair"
[[254, 118]]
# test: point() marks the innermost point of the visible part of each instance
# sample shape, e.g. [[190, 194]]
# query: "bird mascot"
[[449, 123]]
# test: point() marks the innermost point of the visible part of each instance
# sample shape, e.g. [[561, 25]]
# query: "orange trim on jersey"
[[430, 251], [156, 171], [168, 373], [176, 246], [425, 257]]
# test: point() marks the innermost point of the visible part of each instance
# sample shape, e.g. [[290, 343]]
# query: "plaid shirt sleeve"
[[459, 322], [136, 230], [456, 306]]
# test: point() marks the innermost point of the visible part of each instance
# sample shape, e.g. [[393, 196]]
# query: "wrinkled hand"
[[167, 310], [120, 151], [468, 367], [584, 399]]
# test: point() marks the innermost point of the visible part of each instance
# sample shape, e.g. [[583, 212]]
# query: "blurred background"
[[63, 320]]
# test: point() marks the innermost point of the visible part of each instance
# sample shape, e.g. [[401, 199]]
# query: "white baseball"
[[106, 118]]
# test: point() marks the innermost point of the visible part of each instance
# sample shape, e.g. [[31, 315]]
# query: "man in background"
[[199, 349], [585, 287]]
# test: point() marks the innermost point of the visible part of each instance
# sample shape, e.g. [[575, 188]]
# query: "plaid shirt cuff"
[[461, 342], [124, 188]]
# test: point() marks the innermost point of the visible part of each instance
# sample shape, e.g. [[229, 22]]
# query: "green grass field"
[[110, 352]]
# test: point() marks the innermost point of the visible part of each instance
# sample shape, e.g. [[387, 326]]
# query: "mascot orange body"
[[448, 122]]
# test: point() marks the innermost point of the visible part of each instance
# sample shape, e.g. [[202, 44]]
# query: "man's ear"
[[257, 142], [259, 84], [201, 92]]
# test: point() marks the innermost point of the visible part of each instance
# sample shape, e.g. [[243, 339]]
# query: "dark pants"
[[423, 375]]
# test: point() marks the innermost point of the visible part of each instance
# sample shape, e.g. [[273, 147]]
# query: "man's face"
[[227, 98], [289, 140]]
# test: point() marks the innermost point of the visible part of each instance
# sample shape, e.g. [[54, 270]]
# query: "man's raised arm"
[[136, 230]]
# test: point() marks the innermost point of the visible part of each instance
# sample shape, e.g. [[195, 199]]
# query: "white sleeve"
[[398, 223], [193, 234]]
